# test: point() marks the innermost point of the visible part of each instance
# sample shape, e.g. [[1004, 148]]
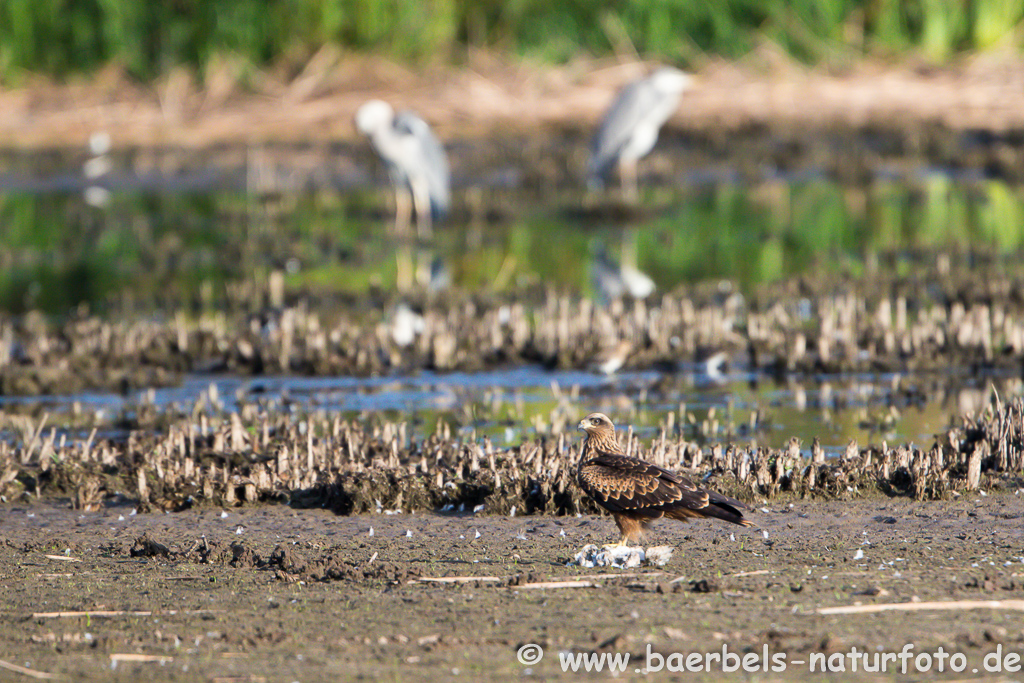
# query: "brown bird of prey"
[[637, 492]]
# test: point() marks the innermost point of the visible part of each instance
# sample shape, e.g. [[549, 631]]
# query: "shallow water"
[[519, 403], [168, 243], [164, 245]]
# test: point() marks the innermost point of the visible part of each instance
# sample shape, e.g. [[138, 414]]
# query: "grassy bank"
[[64, 37]]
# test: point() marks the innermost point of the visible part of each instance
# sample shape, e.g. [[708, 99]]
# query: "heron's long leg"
[[403, 210], [424, 219], [424, 257], [629, 238], [627, 171], [403, 266]]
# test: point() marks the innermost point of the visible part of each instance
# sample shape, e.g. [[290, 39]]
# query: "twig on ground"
[[42, 675], [457, 579], [1014, 605], [557, 584], [136, 657]]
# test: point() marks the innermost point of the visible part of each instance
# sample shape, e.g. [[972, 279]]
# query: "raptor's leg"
[[628, 529], [623, 542]]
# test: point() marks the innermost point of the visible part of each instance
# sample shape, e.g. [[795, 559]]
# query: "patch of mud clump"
[[244, 556], [144, 546]]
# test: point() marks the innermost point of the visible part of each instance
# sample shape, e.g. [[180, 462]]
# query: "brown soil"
[[317, 101], [309, 595]]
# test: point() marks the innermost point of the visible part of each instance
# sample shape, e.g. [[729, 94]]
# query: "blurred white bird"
[[406, 325], [631, 126], [610, 359], [415, 159], [96, 168]]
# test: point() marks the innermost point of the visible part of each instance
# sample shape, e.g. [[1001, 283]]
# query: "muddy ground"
[[292, 127], [269, 593]]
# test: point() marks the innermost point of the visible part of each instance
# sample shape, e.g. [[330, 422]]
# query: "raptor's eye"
[[596, 421]]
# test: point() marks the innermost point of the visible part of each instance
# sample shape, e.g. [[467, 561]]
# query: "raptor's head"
[[596, 423]]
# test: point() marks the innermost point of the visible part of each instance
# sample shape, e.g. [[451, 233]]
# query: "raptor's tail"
[[719, 507], [730, 507]]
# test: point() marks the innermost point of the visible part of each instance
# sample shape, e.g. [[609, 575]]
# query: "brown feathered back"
[[631, 487]]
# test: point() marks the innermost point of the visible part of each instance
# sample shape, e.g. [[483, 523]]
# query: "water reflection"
[[206, 249], [200, 249], [515, 404]]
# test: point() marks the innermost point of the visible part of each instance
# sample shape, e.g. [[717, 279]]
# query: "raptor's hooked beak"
[[582, 426]]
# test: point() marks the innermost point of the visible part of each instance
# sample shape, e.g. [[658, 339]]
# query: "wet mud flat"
[[273, 593], [944, 316]]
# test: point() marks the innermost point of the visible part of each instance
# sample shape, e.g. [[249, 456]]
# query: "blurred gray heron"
[[630, 127], [415, 159]]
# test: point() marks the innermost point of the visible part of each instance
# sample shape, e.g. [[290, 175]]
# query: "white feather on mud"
[[621, 557]]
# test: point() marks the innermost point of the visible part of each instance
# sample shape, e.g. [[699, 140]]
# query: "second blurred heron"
[[631, 125], [415, 159]]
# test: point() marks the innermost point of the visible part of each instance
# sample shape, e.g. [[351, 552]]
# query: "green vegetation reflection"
[[208, 250]]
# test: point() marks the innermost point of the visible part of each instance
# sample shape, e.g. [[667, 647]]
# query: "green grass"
[[64, 37]]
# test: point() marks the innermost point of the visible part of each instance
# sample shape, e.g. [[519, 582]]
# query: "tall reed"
[[60, 37]]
